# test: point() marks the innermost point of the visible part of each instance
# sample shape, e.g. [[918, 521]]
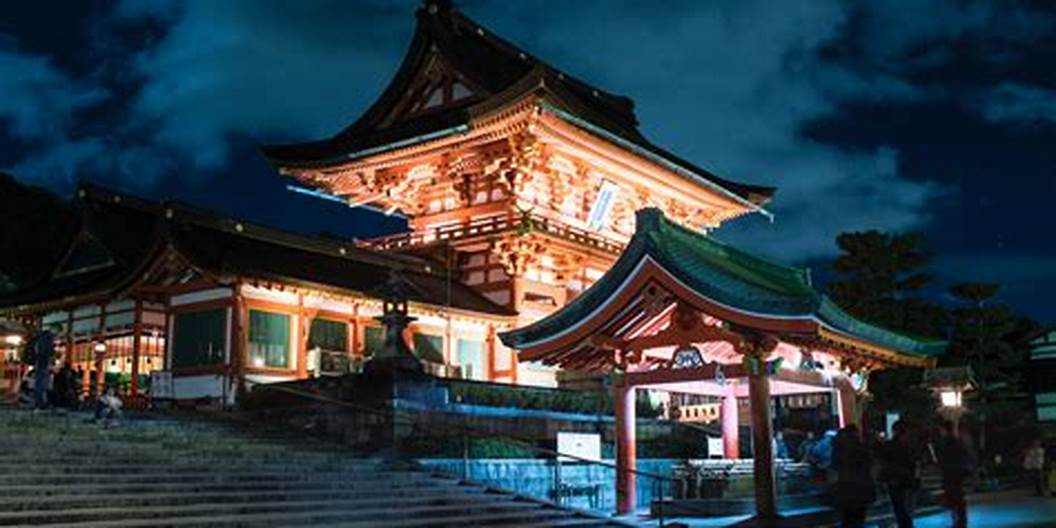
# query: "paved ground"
[[1015, 509], [1011, 509]]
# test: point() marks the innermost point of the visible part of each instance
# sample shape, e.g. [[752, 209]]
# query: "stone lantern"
[[394, 355], [949, 385]]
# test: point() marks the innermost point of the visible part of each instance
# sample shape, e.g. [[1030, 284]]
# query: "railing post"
[[557, 480], [658, 498], [465, 456]]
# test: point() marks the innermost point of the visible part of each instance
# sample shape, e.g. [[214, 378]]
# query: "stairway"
[[59, 470]]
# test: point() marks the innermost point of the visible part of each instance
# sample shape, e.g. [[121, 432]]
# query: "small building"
[[681, 311], [1042, 377], [221, 303]]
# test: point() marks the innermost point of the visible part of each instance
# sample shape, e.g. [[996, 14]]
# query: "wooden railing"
[[495, 225]]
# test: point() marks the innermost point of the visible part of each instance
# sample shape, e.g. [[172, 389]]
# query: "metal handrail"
[[658, 480]]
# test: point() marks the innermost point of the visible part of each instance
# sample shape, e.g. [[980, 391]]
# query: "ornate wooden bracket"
[[518, 252]]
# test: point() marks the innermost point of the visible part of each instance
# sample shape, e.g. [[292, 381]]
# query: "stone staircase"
[[59, 470]]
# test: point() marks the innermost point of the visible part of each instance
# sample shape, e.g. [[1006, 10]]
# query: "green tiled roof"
[[725, 275]]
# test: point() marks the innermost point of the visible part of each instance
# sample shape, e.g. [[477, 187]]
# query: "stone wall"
[[536, 477]]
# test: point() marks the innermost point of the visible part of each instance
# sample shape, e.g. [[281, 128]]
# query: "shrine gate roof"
[[666, 264], [477, 73]]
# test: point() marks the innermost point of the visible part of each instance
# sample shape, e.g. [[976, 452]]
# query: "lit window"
[[198, 338], [269, 339]]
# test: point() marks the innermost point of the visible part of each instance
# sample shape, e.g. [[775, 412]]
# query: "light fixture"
[[13, 340], [99, 347], [950, 398]]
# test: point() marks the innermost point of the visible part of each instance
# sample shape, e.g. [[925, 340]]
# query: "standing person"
[[63, 386], [954, 463], [855, 490], [1034, 464], [900, 457], [806, 446], [43, 350]]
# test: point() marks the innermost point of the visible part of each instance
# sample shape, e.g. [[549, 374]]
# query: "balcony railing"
[[495, 225]]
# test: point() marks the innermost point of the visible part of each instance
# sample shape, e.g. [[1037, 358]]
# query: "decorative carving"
[[519, 251], [686, 357]]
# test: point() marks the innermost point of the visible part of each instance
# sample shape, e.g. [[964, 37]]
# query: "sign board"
[[889, 422], [161, 385], [715, 449], [581, 445]]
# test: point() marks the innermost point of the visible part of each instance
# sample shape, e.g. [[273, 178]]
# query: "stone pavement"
[[1011, 509], [1017, 508]]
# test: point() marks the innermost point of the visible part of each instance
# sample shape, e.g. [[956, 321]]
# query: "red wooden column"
[[730, 431], [100, 358], [237, 365], [626, 457], [137, 339], [848, 401], [755, 350]]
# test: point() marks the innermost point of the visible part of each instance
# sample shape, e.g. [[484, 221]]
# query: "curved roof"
[[498, 73], [749, 290], [135, 232]]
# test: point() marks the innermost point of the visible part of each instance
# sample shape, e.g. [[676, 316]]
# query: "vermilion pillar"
[[137, 339], [730, 432], [762, 445], [848, 402], [626, 458]]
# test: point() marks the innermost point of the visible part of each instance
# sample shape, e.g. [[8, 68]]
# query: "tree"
[[986, 337], [881, 278], [34, 224]]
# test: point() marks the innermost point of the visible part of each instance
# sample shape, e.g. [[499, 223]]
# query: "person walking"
[[954, 462], [855, 490], [1034, 464], [900, 457]]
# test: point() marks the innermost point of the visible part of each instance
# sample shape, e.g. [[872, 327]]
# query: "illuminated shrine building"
[[520, 176]]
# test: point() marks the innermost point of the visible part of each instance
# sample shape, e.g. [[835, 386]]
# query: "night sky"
[[937, 116]]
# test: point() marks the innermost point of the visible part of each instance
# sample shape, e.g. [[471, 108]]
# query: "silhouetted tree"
[[880, 278], [987, 336]]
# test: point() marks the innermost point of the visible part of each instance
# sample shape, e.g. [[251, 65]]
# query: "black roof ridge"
[[172, 209]]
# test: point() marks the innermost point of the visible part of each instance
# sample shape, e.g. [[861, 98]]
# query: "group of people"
[[899, 462], [61, 388]]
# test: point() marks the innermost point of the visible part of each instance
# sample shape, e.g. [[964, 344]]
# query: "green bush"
[[452, 447], [535, 398]]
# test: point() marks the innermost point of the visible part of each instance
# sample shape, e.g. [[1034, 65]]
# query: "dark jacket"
[[854, 480]]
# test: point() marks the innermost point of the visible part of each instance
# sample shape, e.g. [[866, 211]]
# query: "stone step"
[[423, 488], [192, 466], [289, 459], [344, 496], [247, 476], [334, 516], [167, 512], [560, 523]]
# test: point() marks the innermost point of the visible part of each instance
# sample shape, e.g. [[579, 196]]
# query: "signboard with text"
[[580, 445]]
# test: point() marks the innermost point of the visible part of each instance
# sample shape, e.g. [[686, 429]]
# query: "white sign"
[[583, 446], [715, 449], [889, 422], [161, 385]]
